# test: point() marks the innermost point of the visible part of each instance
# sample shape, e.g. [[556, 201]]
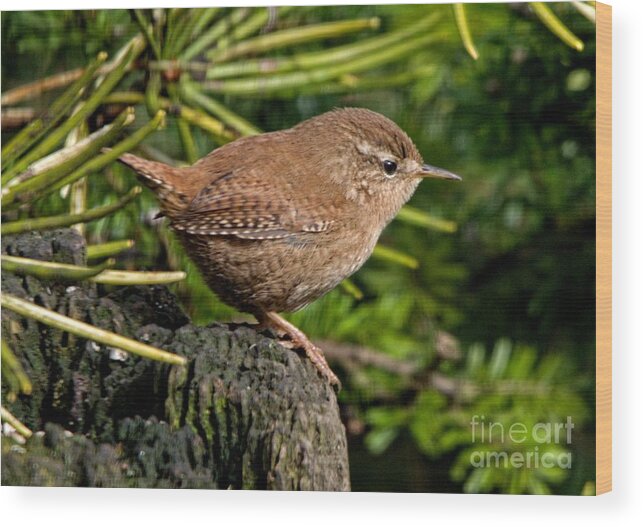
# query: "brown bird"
[[275, 221]]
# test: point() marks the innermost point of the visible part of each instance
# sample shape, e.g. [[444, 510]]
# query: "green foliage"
[[13, 374], [511, 386], [504, 260]]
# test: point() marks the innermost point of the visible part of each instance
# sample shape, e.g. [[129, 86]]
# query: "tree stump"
[[245, 413]]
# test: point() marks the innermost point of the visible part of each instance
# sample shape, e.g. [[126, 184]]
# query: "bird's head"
[[374, 158]]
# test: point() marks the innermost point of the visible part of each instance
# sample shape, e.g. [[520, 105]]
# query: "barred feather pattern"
[[161, 179], [275, 221]]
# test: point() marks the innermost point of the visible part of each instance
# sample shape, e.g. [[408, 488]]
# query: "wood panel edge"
[[603, 248]]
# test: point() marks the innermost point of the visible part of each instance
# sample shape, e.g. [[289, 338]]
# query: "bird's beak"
[[439, 173]]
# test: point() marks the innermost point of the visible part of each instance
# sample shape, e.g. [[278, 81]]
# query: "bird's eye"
[[389, 167]]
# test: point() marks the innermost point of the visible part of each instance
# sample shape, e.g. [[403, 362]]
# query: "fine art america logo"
[[537, 439]]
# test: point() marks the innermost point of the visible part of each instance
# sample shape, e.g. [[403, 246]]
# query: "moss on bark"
[[244, 413]]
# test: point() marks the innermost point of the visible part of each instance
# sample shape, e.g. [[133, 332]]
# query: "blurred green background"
[[487, 307]]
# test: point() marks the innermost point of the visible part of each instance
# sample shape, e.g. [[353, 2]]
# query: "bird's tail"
[[164, 180]]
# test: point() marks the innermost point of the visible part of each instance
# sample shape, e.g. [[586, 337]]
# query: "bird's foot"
[[316, 356], [296, 339]]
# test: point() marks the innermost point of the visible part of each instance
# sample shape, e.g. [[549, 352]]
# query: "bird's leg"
[[298, 339]]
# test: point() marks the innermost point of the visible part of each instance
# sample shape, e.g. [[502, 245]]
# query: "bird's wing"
[[248, 208]]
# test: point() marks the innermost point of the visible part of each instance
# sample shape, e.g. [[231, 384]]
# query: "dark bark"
[[244, 413]]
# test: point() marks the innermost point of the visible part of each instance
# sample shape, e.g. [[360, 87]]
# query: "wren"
[[275, 221]]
